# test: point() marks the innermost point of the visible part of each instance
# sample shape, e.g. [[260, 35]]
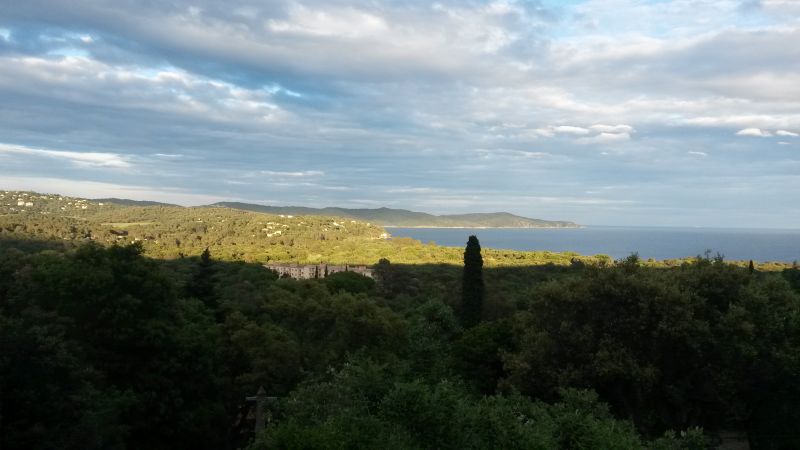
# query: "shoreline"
[[481, 228]]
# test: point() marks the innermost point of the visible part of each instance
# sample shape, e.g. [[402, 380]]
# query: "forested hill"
[[237, 235], [406, 218], [231, 234], [128, 202]]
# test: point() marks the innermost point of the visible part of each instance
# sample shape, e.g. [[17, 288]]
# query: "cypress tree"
[[201, 286], [472, 284]]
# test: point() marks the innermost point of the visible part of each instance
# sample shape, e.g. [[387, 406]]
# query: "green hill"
[[406, 218], [299, 235], [128, 202]]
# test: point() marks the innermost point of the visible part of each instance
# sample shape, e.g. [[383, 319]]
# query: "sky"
[[614, 112]]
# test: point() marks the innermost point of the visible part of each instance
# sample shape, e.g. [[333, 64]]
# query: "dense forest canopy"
[[109, 345]]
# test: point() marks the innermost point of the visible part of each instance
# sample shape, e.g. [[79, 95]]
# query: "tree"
[[472, 284], [351, 282], [98, 351], [201, 285]]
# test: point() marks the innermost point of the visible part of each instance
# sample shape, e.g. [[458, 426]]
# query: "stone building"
[[310, 271]]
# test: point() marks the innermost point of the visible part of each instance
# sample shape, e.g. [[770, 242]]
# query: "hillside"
[[285, 235], [128, 202], [406, 218]]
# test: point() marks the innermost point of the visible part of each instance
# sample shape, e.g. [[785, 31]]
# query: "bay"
[[618, 242]]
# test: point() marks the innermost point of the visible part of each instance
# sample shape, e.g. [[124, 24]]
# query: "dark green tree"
[[472, 284], [351, 282], [201, 285]]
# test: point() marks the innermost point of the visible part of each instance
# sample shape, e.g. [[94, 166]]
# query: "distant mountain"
[[128, 202], [406, 218]]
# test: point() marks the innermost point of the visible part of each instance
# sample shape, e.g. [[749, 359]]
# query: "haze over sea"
[[619, 242]]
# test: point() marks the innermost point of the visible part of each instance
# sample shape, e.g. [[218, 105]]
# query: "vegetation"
[[234, 235], [472, 288], [104, 346], [170, 232], [406, 218]]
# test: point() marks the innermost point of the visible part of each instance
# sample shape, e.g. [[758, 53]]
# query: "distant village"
[[311, 271], [12, 201]]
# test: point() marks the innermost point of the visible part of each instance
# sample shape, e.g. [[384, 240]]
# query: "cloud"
[[301, 174], [757, 132], [94, 189], [612, 128], [696, 153], [786, 133], [494, 97], [568, 129], [79, 159], [343, 23], [605, 138], [503, 153]]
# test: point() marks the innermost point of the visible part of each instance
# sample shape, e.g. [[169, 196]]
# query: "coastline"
[[481, 228]]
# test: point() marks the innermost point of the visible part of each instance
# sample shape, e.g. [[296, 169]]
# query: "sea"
[[618, 242]]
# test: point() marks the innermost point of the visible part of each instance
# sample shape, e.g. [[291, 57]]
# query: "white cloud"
[[756, 132], [80, 159], [612, 128], [569, 129], [336, 23], [696, 153], [504, 153], [95, 189], [410, 190], [300, 174], [604, 138], [786, 133], [84, 81]]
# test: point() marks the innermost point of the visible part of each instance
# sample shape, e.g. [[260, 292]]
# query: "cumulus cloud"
[[605, 138], [568, 129], [387, 94], [80, 159], [756, 132]]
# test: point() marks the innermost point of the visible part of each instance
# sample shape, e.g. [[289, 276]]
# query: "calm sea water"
[[619, 242]]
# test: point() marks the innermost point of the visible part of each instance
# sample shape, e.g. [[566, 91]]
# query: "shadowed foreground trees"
[[366, 405], [704, 345], [99, 352], [104, 348]]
